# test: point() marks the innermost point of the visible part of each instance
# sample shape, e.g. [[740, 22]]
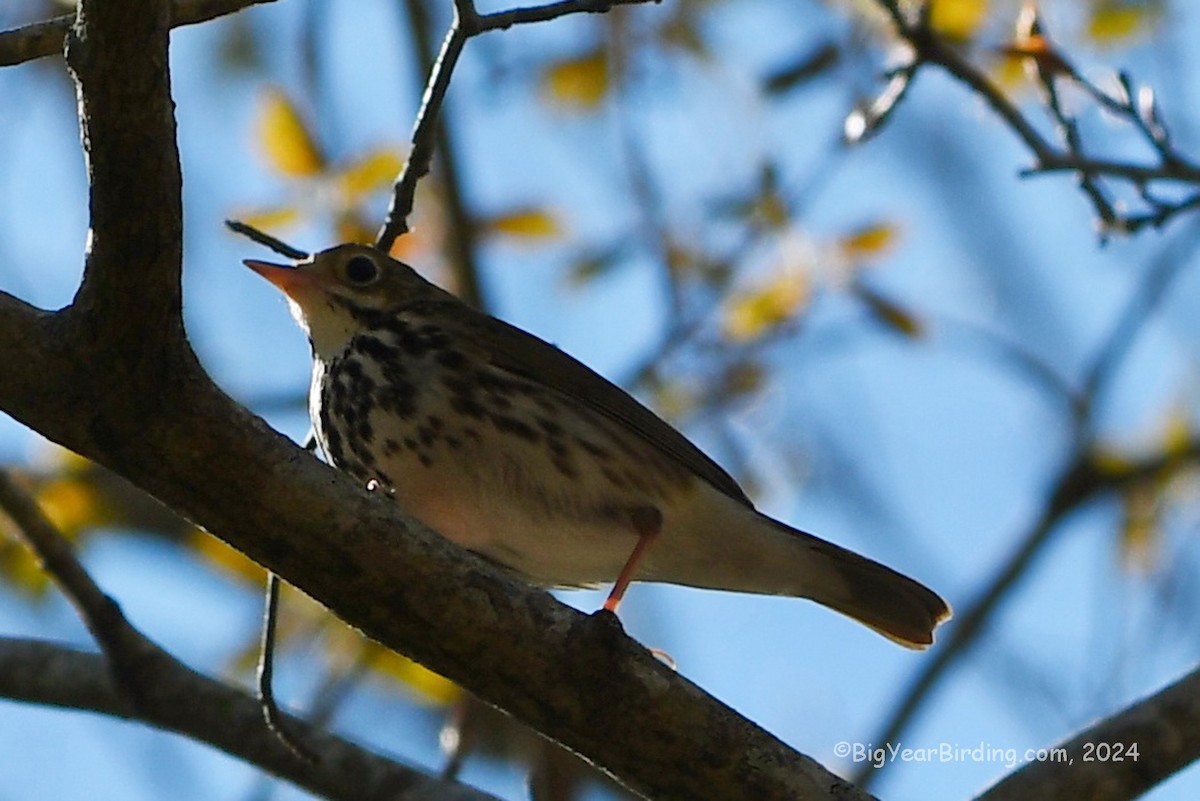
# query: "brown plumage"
[[511, 448]]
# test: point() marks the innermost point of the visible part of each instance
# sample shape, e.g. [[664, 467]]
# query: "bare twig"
[[272, 715], [265, 239], [466, 23], [1136, 106], [1076, 484], [143, 681], [40, 39], [502, 20], [461, 237], [1160, 274], [424, 134]]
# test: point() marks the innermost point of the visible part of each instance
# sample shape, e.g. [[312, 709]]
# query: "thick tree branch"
[[211, 712], [1163, 732], [131, 287], [126, 390], [40, 39]]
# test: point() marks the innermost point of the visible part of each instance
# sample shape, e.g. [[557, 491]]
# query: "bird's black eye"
[[361, 270]]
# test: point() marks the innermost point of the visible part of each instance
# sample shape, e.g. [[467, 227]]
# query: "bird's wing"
[[515, 350]]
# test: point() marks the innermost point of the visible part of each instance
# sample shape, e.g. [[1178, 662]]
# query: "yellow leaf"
[[268, 219], [71, 505], [1178, 436], [1113, 20], [743, 378], [1009, 71], [1109, 462], [411, 245], [286, 139], [581, 82], [229, 560], [1140, 527], [957, 19], [429, 686], [526, 223], [19, 567], [352, 228], [751, 314], [374, 171], [869, 241], [673, 400]]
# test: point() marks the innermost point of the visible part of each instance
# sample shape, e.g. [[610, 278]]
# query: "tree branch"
[[135, 678], [1135, 106], [208, 711], [1164, 731], [119, 386], [461, 238], [40, 39], [467, 22], [130, 297]]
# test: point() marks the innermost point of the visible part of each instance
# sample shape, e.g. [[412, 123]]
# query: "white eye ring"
[[361, 270]]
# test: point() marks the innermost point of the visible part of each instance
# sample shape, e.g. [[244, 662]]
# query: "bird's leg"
[[647, 522]]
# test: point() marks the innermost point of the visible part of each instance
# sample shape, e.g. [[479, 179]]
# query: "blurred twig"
[[1085, 478], [1081, 480], [125, 648], [1173, 258]]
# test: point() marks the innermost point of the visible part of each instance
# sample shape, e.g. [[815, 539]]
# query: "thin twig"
[[271, 713], [466, 23], [424, 135], [265, 239], [461, 235], [502, 20], [1136, 107]]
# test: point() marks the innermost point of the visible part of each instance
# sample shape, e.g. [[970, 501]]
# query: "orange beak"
[[288, 278]]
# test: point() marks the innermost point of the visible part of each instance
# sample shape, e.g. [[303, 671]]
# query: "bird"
[[513, 449]]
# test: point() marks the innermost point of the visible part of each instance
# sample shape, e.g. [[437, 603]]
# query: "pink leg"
[[647, 522]]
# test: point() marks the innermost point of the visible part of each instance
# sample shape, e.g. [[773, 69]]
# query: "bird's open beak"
[[285, 276]]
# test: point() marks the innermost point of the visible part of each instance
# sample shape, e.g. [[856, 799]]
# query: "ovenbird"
[[513, 449]]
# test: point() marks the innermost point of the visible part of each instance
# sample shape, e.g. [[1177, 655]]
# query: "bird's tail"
[[734, 547], [896, 606]]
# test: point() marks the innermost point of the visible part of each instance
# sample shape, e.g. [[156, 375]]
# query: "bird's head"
[[336, 293]]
